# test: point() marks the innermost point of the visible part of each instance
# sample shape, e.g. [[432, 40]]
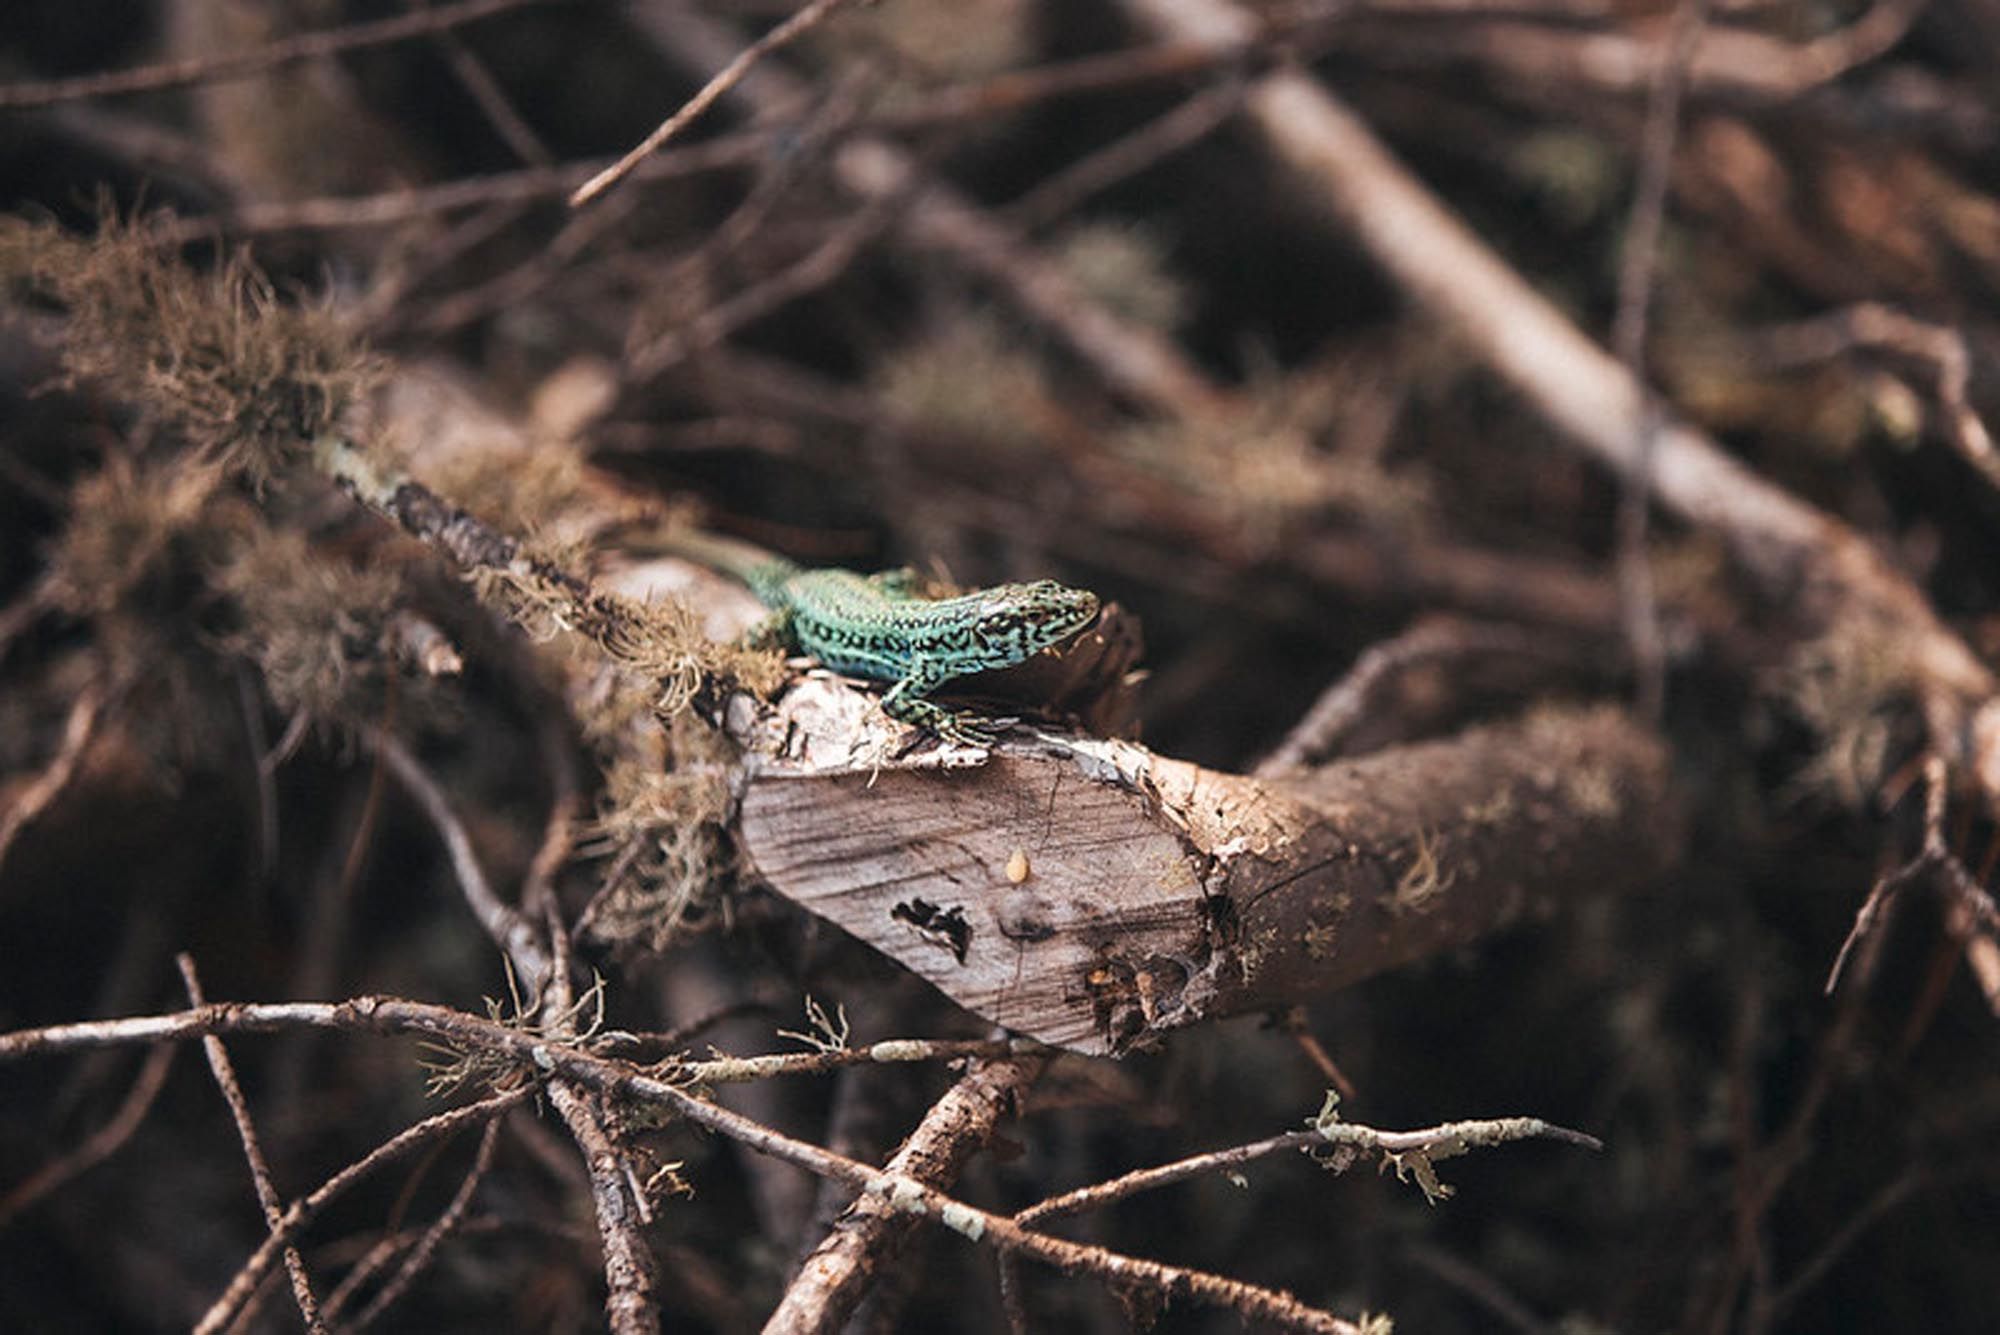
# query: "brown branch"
[[273, 55], [836, 1276], [1869, 325], [253, 1152], [1804, 558], [1093, 895], [631, 1274]]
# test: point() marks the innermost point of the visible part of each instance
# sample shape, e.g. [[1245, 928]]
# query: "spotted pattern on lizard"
[[878, 628]]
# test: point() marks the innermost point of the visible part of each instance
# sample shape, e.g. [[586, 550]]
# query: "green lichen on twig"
[[1414, 1155]]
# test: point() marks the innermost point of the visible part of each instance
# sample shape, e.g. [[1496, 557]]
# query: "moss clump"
[[247, 379]]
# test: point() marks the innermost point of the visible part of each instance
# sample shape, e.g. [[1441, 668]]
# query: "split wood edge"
[[1094, 895]]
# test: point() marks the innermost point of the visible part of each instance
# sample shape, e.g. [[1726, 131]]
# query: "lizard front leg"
[[906, 702]]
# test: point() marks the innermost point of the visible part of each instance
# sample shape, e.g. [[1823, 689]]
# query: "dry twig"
[[99, 1146], [260, 1170], [303, 1211], [613, 1079], [809, 17], [34, 798], [274, 55], [834, 1278]]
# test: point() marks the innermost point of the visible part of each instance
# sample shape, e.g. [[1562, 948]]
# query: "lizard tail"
[[764, 572]]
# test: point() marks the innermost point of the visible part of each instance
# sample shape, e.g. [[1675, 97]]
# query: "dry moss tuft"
[[1278, 461], [969, 377], [1123, 265], [659, 642], [246, 378], [317, 629], [1856, 689], [125, 524], [664, 828]]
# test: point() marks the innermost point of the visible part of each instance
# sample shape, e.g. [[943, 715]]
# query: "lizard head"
[[1017, 621]]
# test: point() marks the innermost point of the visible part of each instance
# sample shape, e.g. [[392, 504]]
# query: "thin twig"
[[818, 267], [631, 1272], [740, 1070], [1346, 702], [1481, 1287], [100, 1145], [526, 186], [1872, 325], [1636, 277], [273, 55], [1021, 89], [508, 289], [1443, 1141], [47, 786], [728, 77], [1935, 862], [488, 95], [307, 1208], [619, 1080], [1815, 1268], [1135, 361], [1293, 1023], [512, 932], [442, 1227], [28, 606], [1186, 124], [559, 831], [253, 1152]]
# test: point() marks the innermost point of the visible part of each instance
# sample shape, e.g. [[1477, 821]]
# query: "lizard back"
[[853, 626]]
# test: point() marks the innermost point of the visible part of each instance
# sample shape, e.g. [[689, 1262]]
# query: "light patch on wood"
[[918, 866]]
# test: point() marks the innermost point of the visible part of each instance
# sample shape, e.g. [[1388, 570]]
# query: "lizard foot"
[[956, 727]]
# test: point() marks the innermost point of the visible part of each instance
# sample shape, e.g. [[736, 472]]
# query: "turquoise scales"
[[877, 628]]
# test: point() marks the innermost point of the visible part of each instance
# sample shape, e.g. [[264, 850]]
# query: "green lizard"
[[879, 628]]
